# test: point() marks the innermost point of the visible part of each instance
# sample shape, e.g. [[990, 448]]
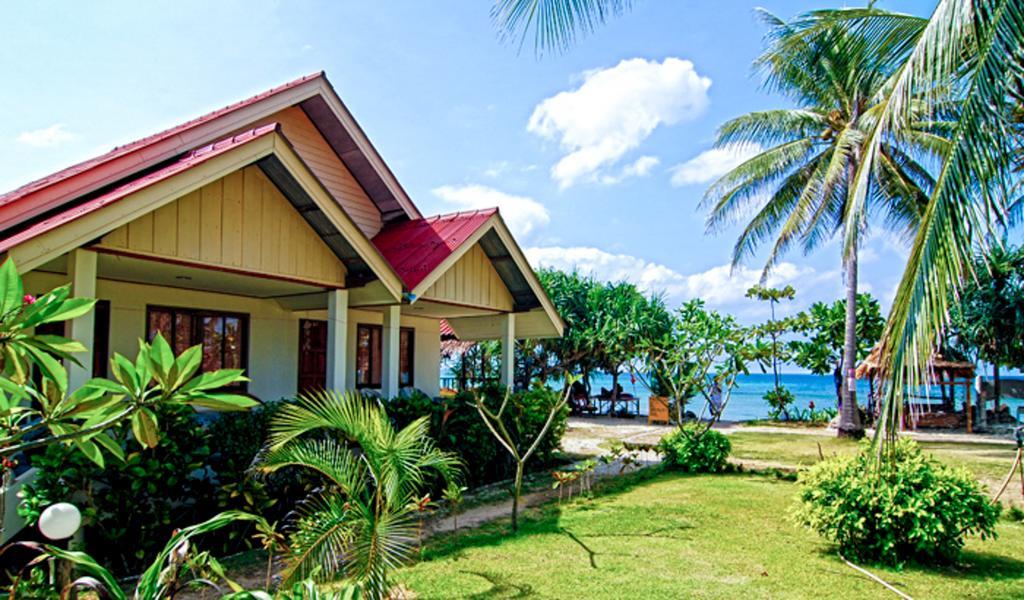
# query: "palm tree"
[[797, 186], [363, 522], [969, 53]]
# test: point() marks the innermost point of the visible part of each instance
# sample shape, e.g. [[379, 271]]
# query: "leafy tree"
[[519, 448], [363, 523], [798, 186], [700, 351], [988, 318], [778, 397], [574, 296], [824, 327], [625, 317]]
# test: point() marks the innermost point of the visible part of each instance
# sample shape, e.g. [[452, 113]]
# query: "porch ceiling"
[[149, 272]]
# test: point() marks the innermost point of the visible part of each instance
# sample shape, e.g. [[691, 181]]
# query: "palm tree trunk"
[[849, 419]]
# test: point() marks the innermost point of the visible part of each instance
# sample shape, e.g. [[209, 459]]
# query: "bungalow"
[[272, 233]]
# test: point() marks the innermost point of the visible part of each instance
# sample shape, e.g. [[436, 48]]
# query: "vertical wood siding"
[[241, 221], [328, 168], [472, 281]]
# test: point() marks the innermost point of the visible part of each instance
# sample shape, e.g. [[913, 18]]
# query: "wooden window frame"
[[411, 360], [198, 313]]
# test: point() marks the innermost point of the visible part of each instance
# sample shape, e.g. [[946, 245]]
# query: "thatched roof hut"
[[942, 372], [870, 367]]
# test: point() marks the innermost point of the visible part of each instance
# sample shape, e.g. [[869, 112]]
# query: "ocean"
[[747, 399]]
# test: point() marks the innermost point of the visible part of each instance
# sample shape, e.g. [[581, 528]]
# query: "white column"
[[390, 360], [82, 272], [337, 340], [508, 350]]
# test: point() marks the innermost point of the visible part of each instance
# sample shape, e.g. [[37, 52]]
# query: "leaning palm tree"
[[969, 52], [362, 523], [796, 189]]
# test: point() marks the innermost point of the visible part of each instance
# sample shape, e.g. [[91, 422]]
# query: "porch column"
[[82, 272], [390, 360], [337, 340], [508, 350]]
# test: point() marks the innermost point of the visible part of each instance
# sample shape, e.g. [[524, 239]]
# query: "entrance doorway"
[[312, 355]]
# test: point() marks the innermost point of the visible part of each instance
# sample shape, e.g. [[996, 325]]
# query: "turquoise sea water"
[[747, 400]]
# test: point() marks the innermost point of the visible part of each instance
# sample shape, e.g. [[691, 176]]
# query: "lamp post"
[[60, 521]]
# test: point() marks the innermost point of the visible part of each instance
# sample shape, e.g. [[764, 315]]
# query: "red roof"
[[416, 247], [43, 194], [189, 160]]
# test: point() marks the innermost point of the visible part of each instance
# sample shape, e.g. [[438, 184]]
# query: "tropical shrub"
[[179, 566], [362, 524], [235, 443], [129, 506], [456, 427], [907, 508], [779, 400], [693, 450]]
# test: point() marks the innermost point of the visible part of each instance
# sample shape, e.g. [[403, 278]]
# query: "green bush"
[[779, 401], [200, 467], [691, 452], [458, 427], [129, 508], [909, 508]]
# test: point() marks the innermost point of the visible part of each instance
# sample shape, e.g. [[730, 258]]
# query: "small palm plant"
[[362, 524]]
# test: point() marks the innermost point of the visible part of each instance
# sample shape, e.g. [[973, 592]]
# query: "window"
[[223, 336], [368, 356]]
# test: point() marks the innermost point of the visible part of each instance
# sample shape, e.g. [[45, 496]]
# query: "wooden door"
[[312, 355]]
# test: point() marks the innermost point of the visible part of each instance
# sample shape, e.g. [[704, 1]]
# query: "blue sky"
[[597, 157]]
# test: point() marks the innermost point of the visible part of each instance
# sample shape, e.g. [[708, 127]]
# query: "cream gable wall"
[[472, 281], [241, 222]]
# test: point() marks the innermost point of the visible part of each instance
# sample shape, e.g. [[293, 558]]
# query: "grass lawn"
[[722, 536]]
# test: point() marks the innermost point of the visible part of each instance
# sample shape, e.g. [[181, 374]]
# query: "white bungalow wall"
[[273, 331]]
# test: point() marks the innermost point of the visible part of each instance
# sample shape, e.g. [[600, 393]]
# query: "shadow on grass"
[[501, 587], [542, 519]]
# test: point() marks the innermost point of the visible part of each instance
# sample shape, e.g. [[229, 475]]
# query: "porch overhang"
[[424, 250]]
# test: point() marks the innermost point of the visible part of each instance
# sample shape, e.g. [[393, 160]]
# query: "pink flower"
[[810, 405], [29, 299]]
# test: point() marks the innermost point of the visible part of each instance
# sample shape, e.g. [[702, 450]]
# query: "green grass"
[[722, 536]]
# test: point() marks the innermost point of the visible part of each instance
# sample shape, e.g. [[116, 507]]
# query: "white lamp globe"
[[60, 521]]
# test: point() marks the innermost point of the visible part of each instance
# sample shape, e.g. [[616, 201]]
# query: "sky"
[[598, 157]]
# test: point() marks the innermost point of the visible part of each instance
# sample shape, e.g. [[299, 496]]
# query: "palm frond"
[[555, 24], [323, 535]]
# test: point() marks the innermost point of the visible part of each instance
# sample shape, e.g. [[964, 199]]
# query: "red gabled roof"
[[416, 247], [43, 194], [189, 160]]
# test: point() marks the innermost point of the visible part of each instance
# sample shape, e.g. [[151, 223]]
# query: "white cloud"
[[712, 164], [720, 286], [641, 167], [54, 135], [614, 110], [522, 214]]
